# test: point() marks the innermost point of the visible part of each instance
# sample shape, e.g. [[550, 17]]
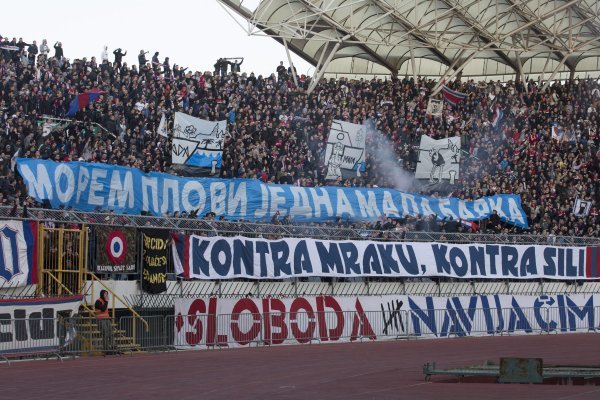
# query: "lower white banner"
[[207, 322], [34, 325]]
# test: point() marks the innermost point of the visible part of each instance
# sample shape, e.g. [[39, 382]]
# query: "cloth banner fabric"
[[230, 322], [197, 142], [241, 257], [435, 107], [18, 253], [345, 150], [116, 250], [89, 186], [162, 127], [452, 96], [154, 260], [30, 325], [439, 159], [581, 208], [81, 101], [52, 125]]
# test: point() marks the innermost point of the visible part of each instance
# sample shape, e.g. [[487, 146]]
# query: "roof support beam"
[[287, 51], [566, 31], [438, 86], [513, 32], [385, 7], [320, 69], [520, 73], [231, 4], [480, 32], [412, 61], [393, 69], [527, 15], [547, 83], [584, 15]]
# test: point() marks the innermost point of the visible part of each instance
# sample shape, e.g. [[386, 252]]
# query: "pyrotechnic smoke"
[[381, 149]]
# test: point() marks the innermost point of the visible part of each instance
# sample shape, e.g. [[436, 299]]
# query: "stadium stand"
[[277, 133]]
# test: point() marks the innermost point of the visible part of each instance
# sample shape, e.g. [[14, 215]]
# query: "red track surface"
[[379, 370]]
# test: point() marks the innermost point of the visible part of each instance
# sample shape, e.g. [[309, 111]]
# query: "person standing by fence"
[[104, 321]]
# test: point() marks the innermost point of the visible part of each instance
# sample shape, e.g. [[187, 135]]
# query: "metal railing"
[[251, 229], [93, 279], [81, 335], [90, 292]]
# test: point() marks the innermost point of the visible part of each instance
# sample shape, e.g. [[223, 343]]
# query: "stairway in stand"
[[89, 340]]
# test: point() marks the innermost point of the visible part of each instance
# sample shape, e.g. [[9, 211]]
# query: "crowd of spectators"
[[278, 133]]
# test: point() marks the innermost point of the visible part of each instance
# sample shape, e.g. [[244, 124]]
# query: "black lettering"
[[5, 319]]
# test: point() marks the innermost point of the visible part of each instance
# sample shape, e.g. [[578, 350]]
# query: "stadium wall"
[[131, 292]]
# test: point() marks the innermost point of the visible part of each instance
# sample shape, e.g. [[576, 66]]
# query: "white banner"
[[239, 322], [241, 257], [197, 142], [10, 48], [438, 159], [33, 324], [162, 126], [345, 150], [435, 107], [581, 208]]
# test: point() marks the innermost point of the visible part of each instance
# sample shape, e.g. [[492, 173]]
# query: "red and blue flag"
[[82, 100], [452, 96], [592, 262], [18, 253], [180, 245]]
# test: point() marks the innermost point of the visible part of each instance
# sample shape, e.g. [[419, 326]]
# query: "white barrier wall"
[[233, 322], [130, 291]]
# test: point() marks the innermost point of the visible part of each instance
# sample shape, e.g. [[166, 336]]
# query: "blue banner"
[[90, 186]]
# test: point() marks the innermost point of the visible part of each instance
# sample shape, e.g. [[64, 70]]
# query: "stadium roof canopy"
[[502, 39]]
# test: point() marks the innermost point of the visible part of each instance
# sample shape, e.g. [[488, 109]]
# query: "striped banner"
[[18, 256], [592, 262]]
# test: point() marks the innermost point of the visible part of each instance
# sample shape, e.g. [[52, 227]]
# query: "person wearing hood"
[[44, 49], [104, 56]]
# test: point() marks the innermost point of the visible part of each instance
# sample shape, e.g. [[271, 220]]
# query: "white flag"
[[435, 107], [197, 142], [13, 160], [86, 154], [162, 126], [345, 149], [48, 127], [581, 208], [439, 159]]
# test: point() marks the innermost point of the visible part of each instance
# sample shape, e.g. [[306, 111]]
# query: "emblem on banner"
[[116, 247]]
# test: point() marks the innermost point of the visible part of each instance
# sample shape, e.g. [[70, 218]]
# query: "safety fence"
[[204, 227], [81, 335]]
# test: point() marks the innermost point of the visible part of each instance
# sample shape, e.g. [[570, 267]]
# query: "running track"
[[379, 370]]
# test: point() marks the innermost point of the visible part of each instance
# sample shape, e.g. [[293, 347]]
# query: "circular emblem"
[[116, 247]]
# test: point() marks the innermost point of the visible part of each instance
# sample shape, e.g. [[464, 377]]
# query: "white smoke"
[[381, 150]]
